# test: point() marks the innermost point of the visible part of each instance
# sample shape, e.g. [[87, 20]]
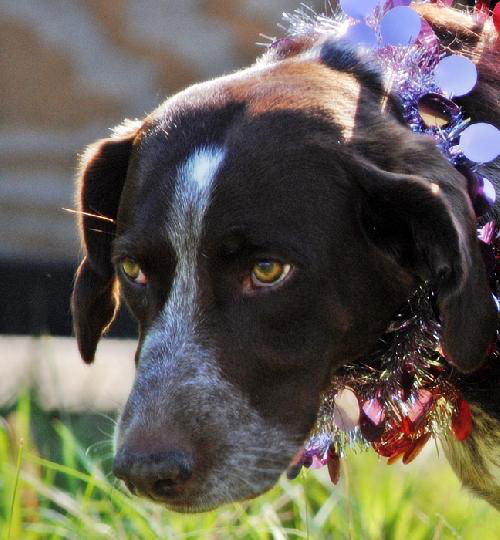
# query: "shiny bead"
[[346, 411]]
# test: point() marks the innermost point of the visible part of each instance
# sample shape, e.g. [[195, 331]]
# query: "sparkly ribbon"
[[406, 392]]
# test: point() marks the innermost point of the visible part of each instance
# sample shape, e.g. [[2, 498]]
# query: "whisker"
[[111, 419], [103, 232], [97, 446], [264, 470], [89, 214], [241, 479]]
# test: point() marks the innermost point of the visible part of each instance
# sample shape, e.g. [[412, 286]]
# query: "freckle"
[[435, 188]]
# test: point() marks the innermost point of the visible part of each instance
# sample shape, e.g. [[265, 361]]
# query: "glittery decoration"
[[346, 410], [333, 463], [461, 422], [455, 75], [480, 142], [436, 111], [496, 17], [358, 9], [395, 3], [405, 392], [400, 26], [427, 38], [489, 191], [362, 35], [481, 9]]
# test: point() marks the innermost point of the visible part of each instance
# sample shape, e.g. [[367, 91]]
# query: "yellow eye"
[[267, 273], [133, 271]]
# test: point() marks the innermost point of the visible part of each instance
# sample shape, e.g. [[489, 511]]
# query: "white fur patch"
[[190, 202], [200, 168]]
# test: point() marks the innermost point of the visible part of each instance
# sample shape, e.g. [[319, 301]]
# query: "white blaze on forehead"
[[191, 199], [193, 188], [201, 166]]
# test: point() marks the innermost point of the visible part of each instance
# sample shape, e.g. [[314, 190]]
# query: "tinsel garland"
[[393, 401], [406, 392]]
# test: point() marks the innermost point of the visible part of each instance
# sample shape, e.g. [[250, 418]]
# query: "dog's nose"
[[159, 475]]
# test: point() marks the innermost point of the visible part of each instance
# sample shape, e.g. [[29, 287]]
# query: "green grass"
[[74, 498]]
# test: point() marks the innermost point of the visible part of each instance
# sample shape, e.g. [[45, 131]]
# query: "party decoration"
[[480, 142], [346, 410], [489, 192], [496, 17], [481, 10], [400, 26], [455, 75], [358, 9], [436, 111], [362, 35], [405, 393]]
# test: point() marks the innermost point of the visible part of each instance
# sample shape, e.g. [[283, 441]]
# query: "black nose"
[[159, 475]]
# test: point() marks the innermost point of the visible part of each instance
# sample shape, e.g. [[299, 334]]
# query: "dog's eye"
[[133, 271], [267, 273]]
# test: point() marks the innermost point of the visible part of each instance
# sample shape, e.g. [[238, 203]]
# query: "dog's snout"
[[159, 475]]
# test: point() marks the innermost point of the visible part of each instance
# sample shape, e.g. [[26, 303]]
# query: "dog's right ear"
[[428, 226], [103, 169]]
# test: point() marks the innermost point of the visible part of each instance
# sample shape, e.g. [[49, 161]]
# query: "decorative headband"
[[406, 392]]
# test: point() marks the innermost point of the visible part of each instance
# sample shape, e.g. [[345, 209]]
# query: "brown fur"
[[390, 190]]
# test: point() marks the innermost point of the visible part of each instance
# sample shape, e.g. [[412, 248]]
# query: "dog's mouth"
[[187, 502], [203, 504], [221, 475]]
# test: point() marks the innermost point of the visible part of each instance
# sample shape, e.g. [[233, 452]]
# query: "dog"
[[263, 228]]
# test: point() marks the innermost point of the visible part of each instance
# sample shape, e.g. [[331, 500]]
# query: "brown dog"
[[264, 228]]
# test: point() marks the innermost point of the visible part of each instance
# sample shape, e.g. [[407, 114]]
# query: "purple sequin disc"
[[489, 191], [480, 142], [361, 34], [396, 3], [455, 75], [400, 26], [358, 9]]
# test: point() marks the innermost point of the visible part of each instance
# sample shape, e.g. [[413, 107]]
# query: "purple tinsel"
[[405, 391]]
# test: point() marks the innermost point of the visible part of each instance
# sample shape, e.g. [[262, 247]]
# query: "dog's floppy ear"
[[430, 228], [102, 174]]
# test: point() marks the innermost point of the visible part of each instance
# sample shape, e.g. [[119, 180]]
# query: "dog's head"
[[263, 228]]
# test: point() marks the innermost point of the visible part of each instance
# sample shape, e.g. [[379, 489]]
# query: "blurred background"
[[70, 70]]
